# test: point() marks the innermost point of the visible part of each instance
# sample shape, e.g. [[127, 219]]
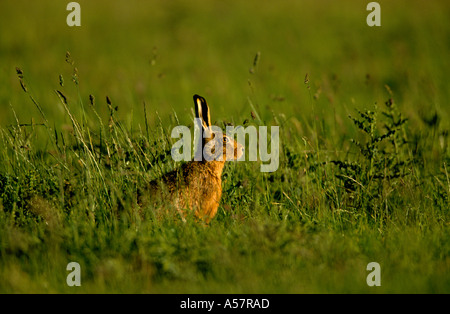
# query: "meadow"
[[85, 120]]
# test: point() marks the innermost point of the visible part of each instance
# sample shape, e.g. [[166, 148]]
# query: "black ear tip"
[[197, 97]]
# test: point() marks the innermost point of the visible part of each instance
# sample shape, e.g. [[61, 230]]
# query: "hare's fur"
[[197, 185]]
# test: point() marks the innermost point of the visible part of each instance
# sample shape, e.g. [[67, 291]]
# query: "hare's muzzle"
[[238, 150]]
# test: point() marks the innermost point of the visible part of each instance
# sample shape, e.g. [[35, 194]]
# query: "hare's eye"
[[227, 140]]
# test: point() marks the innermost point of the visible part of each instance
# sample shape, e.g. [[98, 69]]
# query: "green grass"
[[364, 156]]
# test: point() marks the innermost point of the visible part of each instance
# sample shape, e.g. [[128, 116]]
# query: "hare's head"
[[216, 147]]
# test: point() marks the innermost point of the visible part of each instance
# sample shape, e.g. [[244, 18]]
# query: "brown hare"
[[196, 187]]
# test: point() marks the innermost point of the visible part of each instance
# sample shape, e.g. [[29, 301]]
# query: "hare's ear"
[[202, 111]]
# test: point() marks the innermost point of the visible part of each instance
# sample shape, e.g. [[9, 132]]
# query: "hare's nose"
[[241, 152]]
